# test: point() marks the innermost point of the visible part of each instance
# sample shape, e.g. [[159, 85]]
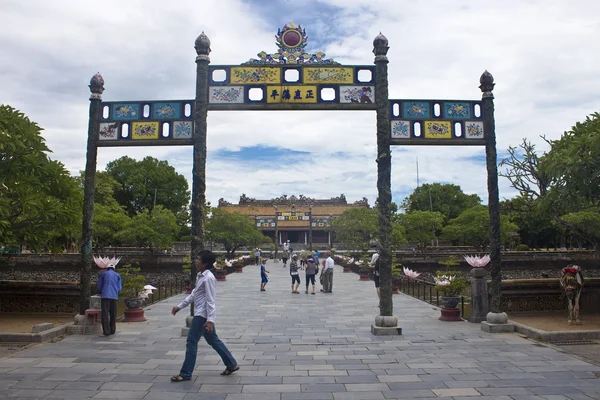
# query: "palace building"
[[301, 220]]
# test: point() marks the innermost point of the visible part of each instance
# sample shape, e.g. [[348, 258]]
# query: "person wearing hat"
[[108, 287], [294, 273], [311, 271], [203, 325]]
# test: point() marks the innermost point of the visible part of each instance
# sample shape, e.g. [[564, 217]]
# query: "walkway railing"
[[425, 291]]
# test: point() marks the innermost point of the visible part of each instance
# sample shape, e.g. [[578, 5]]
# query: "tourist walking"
[[311, 270], [264, 278], [327, 274], [374, 264], [294, 273], [284, 257], [257, 256], [108, 287], [203, 324]]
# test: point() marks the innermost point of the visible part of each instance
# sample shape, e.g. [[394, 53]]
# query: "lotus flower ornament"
[[106, 262], [477, 262], [410, 273]]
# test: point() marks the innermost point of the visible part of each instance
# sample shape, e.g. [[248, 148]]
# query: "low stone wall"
[[547, 295]]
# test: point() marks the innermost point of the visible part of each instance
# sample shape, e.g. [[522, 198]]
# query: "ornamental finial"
[[96, 86], [380, 47], [486, 82], [202, 46]]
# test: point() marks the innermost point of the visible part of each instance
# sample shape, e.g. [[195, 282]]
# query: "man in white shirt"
[[327, 273], [203, 324]]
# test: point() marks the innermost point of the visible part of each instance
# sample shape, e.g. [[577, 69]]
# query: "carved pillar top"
[[96, 87], [380, 48], [486, 84], [202, 47]]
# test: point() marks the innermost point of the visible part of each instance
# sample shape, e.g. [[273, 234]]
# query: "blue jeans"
[[197, 330]]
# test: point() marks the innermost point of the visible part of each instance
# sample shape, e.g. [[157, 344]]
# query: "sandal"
[[179, 378], [230, 371]]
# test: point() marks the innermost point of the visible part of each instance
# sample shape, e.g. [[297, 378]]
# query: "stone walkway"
[[298, 346]]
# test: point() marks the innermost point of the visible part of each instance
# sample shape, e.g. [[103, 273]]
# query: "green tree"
[[572, 163], [154, 230], [472, 227], [421, 226], [232, 230], [355, 228], [447, 199], [536, 229], [585, 225], [148, 182], [40, 203], [523, 169]]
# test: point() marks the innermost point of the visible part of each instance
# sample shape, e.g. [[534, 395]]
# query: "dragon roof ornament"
[[291, 41]]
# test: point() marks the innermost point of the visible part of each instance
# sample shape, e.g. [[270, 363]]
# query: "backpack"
[[376, 269]]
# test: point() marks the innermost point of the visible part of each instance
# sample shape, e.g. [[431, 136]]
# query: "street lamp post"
[[330, 231], [276, 234], [310, 227]]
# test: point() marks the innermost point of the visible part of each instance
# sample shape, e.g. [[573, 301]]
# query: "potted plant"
[[134, 292], [450, 284]]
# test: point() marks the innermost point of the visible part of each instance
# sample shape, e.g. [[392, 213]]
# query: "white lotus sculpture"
[[477, 262], [105, 262], [148, 290], [410, 273]]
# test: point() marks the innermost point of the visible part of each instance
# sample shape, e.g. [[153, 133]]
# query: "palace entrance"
[[293, 79]]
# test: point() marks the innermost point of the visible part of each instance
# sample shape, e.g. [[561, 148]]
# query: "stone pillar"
[[385, 323], [202, 46], [97, 88], [479, 295], [496, 316]]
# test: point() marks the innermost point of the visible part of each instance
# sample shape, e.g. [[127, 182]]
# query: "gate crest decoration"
[[294, 79]]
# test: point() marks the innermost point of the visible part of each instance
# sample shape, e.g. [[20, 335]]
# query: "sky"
[[543, 54]]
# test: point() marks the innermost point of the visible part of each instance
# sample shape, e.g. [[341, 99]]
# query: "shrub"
[[523, 247]]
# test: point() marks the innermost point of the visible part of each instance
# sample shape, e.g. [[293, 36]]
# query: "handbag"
[[317, 269]]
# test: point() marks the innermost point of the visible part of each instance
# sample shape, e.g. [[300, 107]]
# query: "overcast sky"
[[544, 55]]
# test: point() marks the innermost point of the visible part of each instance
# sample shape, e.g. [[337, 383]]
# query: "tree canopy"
[[472, 227], [447, 199], [147, 182], [40, 203], [154, 230], [233, 230]]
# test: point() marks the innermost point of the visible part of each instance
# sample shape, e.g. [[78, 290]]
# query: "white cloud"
[[543, 55]]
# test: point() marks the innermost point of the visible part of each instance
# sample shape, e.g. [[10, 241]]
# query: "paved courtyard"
[[298, 346]]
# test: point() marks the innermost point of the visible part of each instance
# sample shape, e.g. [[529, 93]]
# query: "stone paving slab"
[[295, 347]]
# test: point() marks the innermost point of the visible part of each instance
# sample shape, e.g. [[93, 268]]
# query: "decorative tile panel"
[[109, 131], [183, 129], [255, 75], [401, 129], [474, 130], [291, 94], [438, 130], [226, 94], [166, 110], [265, 223], [357, 94], [456, 110], [329, 75], [416, 109], [126, 111], [144, 130]]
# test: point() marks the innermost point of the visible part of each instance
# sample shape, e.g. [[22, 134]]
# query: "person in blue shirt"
[[264, 279], [108, 287]]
